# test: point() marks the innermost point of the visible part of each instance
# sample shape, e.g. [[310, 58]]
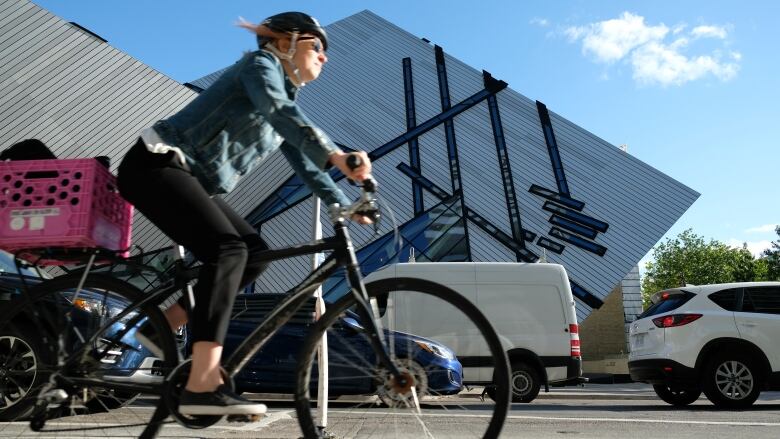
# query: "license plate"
[[638, 341]]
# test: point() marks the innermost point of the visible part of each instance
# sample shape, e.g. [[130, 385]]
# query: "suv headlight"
[[439, 351], [98, 309]]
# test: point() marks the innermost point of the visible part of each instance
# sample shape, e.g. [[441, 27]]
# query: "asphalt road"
[[596, 411]]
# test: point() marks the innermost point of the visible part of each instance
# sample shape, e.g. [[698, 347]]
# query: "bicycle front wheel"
[[438, 340], [108, 368]]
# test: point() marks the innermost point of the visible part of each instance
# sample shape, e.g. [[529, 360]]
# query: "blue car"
[[273, 368]]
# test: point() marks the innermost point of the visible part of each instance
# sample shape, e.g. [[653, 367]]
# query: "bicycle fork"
[[367, 309]]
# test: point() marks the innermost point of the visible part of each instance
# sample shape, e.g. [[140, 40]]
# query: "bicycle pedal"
[[55, 396], [244, 418]]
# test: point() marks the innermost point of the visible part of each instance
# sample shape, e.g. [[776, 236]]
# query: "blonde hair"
[[260, 29]]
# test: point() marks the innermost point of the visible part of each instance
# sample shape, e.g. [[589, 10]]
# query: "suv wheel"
[[731, 381], [677, 396], [22, 366]]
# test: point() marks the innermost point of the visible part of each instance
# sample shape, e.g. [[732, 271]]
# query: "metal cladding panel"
[[209, 79], [484, 248], [632, 299], [434, 164], [76, 93], [597, 220], [479, 167]]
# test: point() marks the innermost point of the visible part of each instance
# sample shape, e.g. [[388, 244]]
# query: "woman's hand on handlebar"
[[360, 219], [359, 173]]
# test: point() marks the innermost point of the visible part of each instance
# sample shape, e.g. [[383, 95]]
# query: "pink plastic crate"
[[61, 203]]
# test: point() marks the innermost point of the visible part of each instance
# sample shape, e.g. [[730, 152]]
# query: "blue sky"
[[690, 86]]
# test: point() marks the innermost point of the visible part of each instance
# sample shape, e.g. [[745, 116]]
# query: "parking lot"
[[594, 411]]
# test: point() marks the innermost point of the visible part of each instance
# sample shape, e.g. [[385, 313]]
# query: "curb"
[[597, 396]]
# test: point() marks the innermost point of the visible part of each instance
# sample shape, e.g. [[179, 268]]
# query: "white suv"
[[721, 339]]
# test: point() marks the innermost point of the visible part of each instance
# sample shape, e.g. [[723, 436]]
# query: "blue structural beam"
[[430, 186], [556, 197], [584, 295], [578, 241], [552, 149], [513, 208], [449, 134], [411, 122], [550, 245], [573, 227], [575, 216]]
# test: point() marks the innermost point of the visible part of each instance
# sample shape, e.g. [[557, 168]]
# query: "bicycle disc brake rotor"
[[397, 394]]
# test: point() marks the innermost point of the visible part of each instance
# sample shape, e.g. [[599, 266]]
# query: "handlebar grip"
[[369, 185], [354, 161]]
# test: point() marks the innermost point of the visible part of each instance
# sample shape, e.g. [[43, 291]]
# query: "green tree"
[[689, 259], [772, 258]]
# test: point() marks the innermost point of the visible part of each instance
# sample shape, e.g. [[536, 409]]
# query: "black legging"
[[173, 199]]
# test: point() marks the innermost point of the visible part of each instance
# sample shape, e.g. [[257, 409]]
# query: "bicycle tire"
[[399, 295], [113, 359]]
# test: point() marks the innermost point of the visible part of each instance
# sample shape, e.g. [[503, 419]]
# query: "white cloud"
[[543, 22], [654, 59], [709, 32], [766, 228], [611, 40], [755, 247], [655, 63]]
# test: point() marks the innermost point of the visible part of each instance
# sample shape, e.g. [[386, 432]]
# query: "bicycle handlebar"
[[366, 205]]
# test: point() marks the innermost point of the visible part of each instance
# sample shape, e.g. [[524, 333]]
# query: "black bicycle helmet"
[[289, 22]]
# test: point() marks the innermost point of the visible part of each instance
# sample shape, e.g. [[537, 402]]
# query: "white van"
[[529, 305]]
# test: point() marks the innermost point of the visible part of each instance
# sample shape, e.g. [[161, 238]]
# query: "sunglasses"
[[316, 43]]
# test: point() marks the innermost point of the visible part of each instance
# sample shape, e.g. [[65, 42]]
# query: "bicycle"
[[86, 320]]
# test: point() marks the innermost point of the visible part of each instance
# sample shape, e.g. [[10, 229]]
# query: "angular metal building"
[[471, 169]]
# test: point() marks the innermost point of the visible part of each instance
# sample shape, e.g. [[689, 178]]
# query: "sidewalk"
[[627, 391]]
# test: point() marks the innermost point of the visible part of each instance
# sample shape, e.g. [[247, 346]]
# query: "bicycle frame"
[[343, 256]]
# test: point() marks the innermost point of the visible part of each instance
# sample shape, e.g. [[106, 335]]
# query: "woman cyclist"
[[177, 166]]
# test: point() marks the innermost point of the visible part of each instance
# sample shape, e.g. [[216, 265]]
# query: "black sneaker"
[[149, 339], [219, 402]]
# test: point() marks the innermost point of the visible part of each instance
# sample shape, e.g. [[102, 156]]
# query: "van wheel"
[[525, 384], [677, 396], [731, 381]]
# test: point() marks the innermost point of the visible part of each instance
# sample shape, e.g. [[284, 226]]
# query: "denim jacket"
[[246, 114]]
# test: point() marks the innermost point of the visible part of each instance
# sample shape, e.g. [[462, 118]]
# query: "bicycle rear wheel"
[[51, 324], [425, 324]]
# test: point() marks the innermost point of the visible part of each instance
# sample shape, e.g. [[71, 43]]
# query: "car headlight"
[[91, 306], [435, 349], [99, 309]]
